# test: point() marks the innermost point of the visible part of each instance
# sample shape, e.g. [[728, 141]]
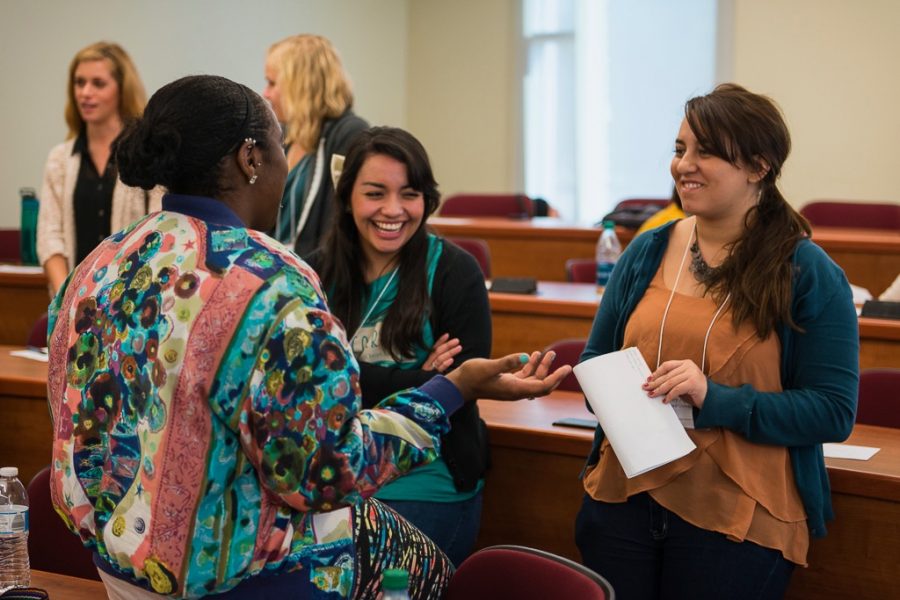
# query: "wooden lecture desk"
[[64, 587], [23, 299], [540, 247], [560, 310], [532, 495]]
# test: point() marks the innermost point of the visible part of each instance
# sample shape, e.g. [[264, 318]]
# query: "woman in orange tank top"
[[743, 318]]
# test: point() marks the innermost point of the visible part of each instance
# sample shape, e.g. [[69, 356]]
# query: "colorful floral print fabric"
[[206, 405]]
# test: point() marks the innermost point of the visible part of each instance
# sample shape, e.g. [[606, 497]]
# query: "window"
[[603, 93]]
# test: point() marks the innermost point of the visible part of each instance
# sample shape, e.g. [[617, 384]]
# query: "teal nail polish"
[[523, 358]]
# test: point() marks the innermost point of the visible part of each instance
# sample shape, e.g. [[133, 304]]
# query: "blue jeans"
[[646, 551], [453, 526]]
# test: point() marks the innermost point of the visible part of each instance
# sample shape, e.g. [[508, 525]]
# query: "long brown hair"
[[132, 97], [342, 264], [748, 130]]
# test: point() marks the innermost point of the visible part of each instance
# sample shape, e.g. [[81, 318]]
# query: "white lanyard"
[[372, 307], [662, 325]]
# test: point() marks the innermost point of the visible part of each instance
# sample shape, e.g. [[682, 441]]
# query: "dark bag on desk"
[[881, 309], [632, 216], [514, 285]]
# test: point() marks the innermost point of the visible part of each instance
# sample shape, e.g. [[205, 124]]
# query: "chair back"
[[867, 215], [631, 202], [581, 270], [521, 573], [10, 245], [567, 353], [510, 206], [879, 397], [38, 335], [51, 546], [479, 249]]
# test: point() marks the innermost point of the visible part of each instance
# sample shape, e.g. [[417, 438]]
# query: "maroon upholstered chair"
[[879, 397], [51, 546], [867, 215], [568, 352], [581, 270], [38, 335], [510, 206], [10, 251], [521, 573], [479, 249]]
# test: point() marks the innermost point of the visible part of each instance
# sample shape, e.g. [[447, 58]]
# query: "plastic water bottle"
[[395, 584], [14, 569], [608, 251]]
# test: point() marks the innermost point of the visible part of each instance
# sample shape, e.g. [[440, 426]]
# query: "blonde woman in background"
[[82, 199], [311, 96]]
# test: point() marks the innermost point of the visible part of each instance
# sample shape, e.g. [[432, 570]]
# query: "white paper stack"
[[644, 432]]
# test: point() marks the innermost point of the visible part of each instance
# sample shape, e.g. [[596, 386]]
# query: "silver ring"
[[434, 365]]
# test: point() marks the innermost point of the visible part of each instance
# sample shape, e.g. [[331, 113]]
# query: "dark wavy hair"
[[188, 126], [342, 264], [748, 130]]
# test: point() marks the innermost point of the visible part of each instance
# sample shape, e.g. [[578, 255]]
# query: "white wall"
[[168, 39], [832, 66]]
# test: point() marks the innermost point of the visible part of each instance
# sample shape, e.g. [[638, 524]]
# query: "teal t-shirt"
[[292, 201], [432, 482]]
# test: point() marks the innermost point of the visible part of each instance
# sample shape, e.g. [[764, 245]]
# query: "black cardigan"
[[461, 308]]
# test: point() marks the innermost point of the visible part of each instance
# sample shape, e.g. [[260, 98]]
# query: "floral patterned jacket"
[[205, 403]]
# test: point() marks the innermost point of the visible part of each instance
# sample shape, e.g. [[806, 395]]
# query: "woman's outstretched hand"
[[512, 377]]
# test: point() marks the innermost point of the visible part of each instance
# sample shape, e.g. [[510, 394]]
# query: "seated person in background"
[[417, 305], [208, 434], [311, 96], [743, 317], [892, 294], [82, 199], [672, 212]]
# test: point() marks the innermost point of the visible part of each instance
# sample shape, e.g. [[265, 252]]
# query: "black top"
[[92, 201], [461, 308]]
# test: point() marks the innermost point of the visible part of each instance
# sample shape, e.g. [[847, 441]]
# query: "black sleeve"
[[461, 308]]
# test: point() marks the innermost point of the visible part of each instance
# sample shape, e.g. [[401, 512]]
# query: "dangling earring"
[[252, 180]]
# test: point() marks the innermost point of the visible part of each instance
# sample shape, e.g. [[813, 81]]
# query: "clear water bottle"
[[608, 251], [14, 569], [395, 584]]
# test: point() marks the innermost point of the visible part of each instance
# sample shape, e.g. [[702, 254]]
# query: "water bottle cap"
[[609, 224], [9, 472], [395, 579]]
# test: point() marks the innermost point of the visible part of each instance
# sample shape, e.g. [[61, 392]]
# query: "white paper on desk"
[[849, 451], [644, 432], [30, 354]]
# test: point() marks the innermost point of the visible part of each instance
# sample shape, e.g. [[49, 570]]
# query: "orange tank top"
[[727, 484]]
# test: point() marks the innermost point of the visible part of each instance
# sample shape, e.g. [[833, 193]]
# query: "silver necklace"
[[703, 273]]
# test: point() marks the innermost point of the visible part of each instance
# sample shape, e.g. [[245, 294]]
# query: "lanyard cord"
[[662, 325], [372, 307]]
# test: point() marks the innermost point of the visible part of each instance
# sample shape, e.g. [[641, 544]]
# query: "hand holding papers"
[[644, 432]]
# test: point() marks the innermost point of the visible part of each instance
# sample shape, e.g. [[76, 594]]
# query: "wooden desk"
[[64, 587], [23, 298], [533, 494], [561, 310], [540, 247], [28, 439]]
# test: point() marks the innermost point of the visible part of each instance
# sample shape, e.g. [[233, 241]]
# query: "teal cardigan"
[[819, 367]]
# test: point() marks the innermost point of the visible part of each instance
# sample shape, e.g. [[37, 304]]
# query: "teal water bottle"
[[28, 239]]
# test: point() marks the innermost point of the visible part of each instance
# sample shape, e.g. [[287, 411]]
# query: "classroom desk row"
[[560, 310], [533, 494], [540, 247]]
